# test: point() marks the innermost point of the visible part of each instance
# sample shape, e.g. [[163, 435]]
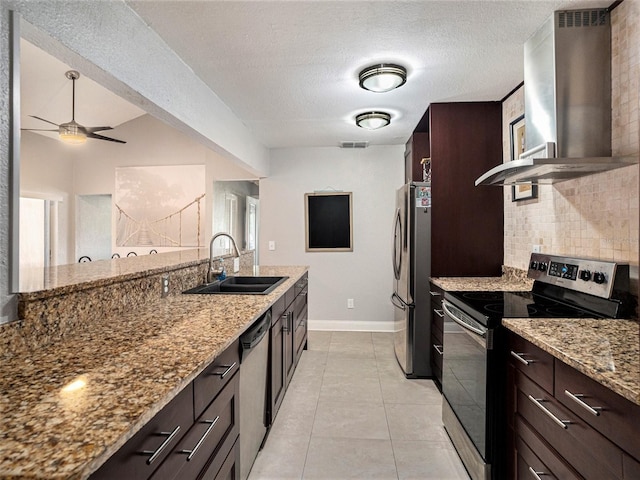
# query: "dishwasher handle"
[[252, 337]]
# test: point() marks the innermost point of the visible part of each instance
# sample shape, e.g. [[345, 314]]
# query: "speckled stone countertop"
[[37, 283], [607, 351], [482, 283], [128, 369]]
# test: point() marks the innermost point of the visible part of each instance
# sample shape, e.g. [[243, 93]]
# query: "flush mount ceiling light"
[[373, 120], [383, 77]]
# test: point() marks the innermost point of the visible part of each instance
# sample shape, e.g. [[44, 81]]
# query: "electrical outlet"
[[165, 285], [236, 265], [272, 245], [536, 248], [349, 302]]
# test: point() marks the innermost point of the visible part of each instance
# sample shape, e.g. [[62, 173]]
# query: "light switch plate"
[[236, 265], [272, 245]]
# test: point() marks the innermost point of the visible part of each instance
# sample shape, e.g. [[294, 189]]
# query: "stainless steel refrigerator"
[[411, 269]]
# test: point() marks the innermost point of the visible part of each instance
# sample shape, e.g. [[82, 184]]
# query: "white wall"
[[373, 175]]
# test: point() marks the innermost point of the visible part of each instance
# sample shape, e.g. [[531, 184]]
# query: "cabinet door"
[[300, 322], [437, 327], [288, 345], [277, 381]]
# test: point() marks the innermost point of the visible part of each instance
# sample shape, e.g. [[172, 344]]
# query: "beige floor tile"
[[350, 420], [342, 459], [282, 458], [355, 390], [415, 422], [427, 461], [402, 390]]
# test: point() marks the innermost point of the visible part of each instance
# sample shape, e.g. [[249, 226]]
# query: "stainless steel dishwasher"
[[254, 362]]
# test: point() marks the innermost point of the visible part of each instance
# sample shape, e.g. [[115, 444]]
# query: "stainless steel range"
[[473, 364]]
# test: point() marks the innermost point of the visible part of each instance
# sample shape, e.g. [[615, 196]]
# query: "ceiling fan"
[[73, 132]]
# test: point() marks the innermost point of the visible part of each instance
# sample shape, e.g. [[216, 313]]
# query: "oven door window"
[[464, 376]]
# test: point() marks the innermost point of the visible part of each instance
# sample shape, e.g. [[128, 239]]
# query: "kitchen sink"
[[239, 286]]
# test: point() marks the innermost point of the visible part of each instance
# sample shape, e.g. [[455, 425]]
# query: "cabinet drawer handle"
[[155, 454], [535, 474], [438, 349], [538, 403], [518, 357], [434, 294], [226, 372], [577, 397], [212, 423], [440, 313]]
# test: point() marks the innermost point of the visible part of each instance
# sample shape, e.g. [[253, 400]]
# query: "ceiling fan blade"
[[40, 129], [101, 137], [97, 129], [40, 118]]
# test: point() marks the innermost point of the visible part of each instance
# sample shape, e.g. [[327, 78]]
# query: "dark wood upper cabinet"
[[464, 141]]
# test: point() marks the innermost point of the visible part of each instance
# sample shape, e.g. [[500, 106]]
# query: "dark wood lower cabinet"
[[437, 328], [564, 425], [174, 446], [288, 337], [195, 437]]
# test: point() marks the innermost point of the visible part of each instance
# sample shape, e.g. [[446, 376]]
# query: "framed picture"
[[517, 147], [329, 224]]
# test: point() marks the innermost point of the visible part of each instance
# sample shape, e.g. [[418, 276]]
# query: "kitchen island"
[[69, 405]]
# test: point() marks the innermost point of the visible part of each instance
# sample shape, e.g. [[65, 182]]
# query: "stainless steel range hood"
[[567, 88]]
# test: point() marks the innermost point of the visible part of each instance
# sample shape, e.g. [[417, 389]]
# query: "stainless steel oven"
[[473, 371], [466, 376]]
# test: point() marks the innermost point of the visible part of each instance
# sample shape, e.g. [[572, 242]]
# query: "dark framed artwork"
[[517, 133], [328, 222]]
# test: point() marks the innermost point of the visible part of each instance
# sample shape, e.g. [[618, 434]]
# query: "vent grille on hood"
[[567, 90], [582, 18]]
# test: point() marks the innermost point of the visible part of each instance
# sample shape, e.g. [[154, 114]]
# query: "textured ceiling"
[[289, 69]]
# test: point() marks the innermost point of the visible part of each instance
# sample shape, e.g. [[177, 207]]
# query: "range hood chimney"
[[567, 89]]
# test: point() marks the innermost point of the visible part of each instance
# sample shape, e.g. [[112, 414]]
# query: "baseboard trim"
[[350, 326]]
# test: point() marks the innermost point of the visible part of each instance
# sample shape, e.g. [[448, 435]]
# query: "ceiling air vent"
[[354, 144]]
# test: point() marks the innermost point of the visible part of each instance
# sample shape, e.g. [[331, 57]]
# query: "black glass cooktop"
[[513, 305]]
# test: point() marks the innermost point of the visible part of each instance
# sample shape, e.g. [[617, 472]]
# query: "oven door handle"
[[464, 325]]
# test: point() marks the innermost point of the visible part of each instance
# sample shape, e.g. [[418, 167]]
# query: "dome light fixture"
[[373, 120], [383, 77]]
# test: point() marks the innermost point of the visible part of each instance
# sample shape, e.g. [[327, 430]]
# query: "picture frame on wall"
[[517, 137]]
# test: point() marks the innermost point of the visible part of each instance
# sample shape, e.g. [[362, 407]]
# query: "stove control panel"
[[595, 277]]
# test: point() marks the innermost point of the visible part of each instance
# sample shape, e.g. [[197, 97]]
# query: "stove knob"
[[533, 265], [585, 275], [599, 277], [542, 266]]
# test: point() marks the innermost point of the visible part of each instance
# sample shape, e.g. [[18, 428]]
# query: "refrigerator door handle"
[[397, 245], [399, 302]]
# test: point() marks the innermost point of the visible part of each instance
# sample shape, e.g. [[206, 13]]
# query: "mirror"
[[73, 189], [236, 211]]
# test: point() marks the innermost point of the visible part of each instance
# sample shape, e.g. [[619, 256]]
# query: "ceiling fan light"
[[383, 77], [373, 120], [71, 134]]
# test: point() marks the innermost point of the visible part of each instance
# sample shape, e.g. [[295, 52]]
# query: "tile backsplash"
[[594, 216]]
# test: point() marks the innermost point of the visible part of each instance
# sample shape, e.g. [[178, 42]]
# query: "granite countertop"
[[483, 283], [51, 281], [606, 350], [124, 370]]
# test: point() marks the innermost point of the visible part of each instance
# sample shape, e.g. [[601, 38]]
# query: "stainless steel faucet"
[[212, 272]]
